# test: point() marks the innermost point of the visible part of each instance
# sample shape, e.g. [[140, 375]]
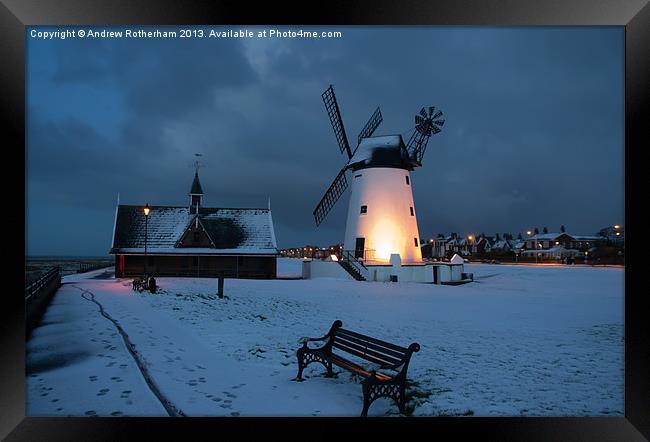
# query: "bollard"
[[220, 286]]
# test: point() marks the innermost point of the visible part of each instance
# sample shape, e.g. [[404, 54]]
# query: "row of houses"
[[545, 245], [313, 251]]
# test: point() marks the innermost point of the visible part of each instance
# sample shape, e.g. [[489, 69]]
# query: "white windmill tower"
[[381, 218]]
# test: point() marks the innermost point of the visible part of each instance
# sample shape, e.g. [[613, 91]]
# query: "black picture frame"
[[634, 15]]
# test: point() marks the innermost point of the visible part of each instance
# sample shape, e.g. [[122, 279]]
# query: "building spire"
[[196, 191]]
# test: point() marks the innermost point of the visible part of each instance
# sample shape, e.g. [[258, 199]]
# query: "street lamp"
[[146, 226]]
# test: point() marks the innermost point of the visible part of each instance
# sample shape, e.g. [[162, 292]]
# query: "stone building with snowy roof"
[[194, 240]]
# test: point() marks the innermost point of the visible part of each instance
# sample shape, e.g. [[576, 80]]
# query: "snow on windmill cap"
[[388, 150], [456, 259]]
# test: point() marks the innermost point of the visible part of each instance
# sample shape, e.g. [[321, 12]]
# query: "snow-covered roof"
[[548, 236], [386, 149], [554, 236], [588, 237], [456, 259], [501, 244], [487, 239], [232, 231]]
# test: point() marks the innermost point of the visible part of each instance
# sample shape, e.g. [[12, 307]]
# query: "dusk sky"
[[534, 132]]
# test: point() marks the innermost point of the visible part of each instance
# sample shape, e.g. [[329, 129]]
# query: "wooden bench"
[[391, 359]]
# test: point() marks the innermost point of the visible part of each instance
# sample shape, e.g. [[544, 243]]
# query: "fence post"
[[220, 286]]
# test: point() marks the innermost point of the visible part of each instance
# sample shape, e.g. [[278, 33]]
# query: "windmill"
[[381, 214]]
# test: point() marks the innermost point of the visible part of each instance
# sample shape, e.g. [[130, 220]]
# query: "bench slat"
[[355, 352], [393, 353], [366, 350], [351, 366], [343, 331]]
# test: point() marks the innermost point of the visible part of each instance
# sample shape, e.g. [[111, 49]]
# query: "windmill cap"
[[382, 151]]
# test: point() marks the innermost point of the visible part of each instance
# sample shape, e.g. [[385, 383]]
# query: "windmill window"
[[364, 209], [412, 213], [415, 240], [407, 180]]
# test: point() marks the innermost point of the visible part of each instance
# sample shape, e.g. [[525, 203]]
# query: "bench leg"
[[330, 373], [372, 391], [301, 364], [366, 399], [401, 402]]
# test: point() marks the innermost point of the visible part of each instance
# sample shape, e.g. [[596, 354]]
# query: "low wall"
[[382, 273], [417, 273], [324, 269]]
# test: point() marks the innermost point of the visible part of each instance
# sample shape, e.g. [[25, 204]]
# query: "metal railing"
[[33, 289], [90, 266], [350, 258]]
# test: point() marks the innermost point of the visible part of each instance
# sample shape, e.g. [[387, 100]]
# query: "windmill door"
[[359, 247]]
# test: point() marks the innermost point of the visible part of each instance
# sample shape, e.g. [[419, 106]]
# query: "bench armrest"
[[336, 325], [319, 339], [306, 339]]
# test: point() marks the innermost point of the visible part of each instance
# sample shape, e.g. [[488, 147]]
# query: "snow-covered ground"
[[521, 340]]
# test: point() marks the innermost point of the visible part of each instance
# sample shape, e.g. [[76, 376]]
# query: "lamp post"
[[146, 227]]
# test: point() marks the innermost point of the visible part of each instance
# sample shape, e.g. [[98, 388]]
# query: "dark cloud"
[[534, 132]]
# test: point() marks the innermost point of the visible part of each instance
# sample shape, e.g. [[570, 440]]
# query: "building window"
[[415, 240], [412, 213], [364, 209], [407, 180]]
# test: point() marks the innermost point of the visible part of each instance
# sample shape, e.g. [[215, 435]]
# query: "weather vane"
[[196, 164]]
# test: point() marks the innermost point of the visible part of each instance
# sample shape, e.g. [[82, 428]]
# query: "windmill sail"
[[335, 118], [372, 124], [332, 195]]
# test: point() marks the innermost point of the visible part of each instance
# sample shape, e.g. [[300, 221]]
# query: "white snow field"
[[520, 340]]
